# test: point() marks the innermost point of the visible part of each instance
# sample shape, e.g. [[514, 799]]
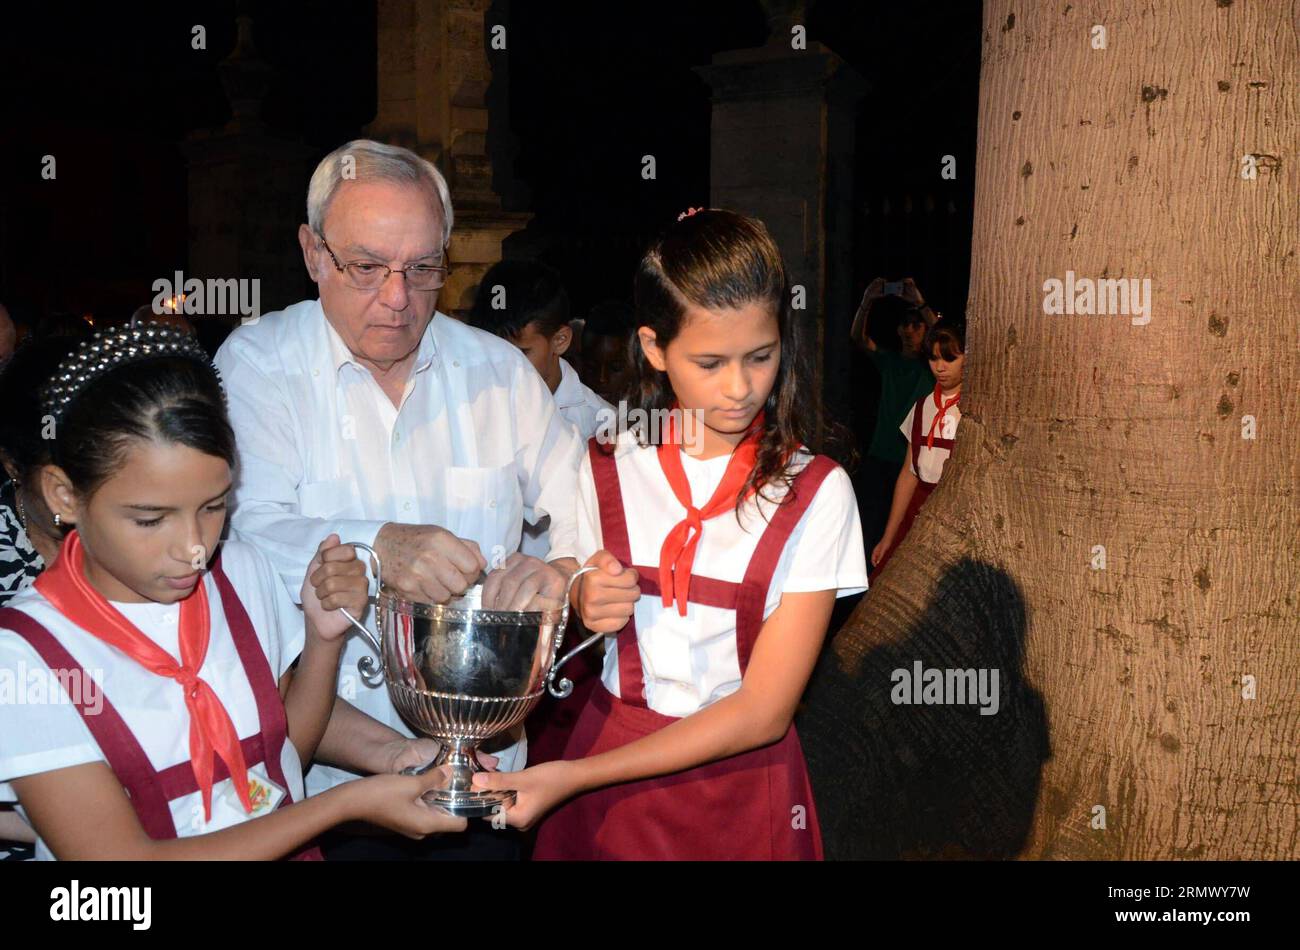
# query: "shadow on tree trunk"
[[893, 780]]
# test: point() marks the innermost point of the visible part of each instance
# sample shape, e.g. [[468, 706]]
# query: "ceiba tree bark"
[[1116, 531]]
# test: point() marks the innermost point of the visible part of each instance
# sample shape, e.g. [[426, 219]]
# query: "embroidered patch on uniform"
[[264, 794]]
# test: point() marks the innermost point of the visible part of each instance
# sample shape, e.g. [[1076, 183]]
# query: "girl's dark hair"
[[172, 400], [721, 260], [949, 334], [21, 419]]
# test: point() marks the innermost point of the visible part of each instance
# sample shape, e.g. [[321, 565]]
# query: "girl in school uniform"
[[721, 543], [930, 427], [156, 707]]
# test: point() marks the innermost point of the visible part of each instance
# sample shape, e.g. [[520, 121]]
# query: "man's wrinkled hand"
[[524, 583], [428, 563]]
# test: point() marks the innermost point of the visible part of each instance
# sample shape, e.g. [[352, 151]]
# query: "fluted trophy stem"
[[456, 794], [461, 761]]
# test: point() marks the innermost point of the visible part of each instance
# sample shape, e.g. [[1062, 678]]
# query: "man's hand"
[[524, 583], [428, 563], [406, 753]]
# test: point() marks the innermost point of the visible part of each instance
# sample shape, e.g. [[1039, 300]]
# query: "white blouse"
[[690, 662], [931, 459], [40, 729]]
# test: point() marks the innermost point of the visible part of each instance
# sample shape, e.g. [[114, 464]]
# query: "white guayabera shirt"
[[475, 447], [582, 409]]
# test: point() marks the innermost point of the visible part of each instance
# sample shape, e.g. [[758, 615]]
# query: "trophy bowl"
[[461, 674]]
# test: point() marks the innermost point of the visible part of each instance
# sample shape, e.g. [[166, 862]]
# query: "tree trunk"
[[1109, 534]]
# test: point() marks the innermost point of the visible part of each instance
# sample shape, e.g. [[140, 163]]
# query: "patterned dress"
[[19, 562], [20, 565]]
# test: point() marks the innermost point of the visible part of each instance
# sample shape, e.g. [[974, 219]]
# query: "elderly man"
[[370, 414]]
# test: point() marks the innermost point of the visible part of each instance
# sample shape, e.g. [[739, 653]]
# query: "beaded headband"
[[112, 348]]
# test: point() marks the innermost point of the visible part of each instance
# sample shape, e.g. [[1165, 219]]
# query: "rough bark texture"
[[1121, 687]]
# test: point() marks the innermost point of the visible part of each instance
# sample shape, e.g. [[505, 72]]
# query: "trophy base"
[[463, 804]]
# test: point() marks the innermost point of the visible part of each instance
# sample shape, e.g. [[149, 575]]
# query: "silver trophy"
[[462, 674]]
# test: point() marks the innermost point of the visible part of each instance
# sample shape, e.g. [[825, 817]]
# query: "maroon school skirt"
[[919, 496], [756, 806]]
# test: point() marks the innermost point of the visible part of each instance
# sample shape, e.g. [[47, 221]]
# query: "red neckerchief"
[[65, 586], [678, 551], [942, 407]]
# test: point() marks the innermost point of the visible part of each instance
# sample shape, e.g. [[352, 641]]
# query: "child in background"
[[930, 428], [721, 543], [185, 690], [606, 336], [28, 538], [525, 302], [890, 331]]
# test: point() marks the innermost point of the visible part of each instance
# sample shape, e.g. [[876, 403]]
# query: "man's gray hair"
[[368, 160]]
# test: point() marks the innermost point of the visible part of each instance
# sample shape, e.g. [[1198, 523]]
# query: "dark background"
[[113, 90]]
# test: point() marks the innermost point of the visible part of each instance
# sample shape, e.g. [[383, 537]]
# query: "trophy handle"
[[565, 686], [372, 672]]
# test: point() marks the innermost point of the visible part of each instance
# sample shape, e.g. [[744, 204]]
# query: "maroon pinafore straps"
[[266, 694], [748, 598], [151, 790], [762, 791], [918, 413], [120, 747]]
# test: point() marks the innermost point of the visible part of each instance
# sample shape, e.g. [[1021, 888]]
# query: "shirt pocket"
[[484, 504], [331, 498]]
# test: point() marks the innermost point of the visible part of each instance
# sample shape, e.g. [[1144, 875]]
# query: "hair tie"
[[688, 213]]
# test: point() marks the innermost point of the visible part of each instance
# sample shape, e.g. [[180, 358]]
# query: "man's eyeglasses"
[[370, 275]]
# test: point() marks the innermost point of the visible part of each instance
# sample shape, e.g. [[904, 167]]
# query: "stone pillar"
[[248, 190], [434, 73], [781, 150]]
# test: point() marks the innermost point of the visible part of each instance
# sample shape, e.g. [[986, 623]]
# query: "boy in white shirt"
[[525, 302]]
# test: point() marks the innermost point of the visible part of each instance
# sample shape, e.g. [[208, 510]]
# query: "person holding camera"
[[890, 327]]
